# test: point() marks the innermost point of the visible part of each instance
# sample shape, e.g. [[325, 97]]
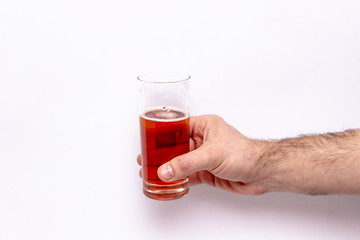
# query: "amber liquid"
[[165, 134]]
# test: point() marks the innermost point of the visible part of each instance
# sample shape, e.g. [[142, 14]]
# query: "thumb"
[[187, 164]]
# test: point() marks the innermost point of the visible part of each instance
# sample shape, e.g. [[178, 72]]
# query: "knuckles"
[[214, 118]]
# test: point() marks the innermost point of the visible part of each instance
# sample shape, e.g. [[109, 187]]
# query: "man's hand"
[[220, 156]]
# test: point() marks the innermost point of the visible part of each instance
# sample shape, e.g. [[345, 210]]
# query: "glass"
[[164, 130]]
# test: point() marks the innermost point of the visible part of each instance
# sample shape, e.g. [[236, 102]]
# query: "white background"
[[68, 111]]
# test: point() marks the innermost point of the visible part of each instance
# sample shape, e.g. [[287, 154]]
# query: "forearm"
[[317, 164]]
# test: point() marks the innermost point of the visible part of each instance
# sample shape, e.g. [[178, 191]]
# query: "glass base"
[[166, 191]]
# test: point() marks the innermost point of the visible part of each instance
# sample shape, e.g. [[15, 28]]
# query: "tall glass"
[[164, 130]]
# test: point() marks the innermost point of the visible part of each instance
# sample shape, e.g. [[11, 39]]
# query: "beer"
[[165, 134]]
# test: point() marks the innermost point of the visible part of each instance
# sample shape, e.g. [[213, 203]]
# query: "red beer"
[[165, 134]]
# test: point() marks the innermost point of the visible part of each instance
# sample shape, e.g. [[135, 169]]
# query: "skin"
[[222, 157]]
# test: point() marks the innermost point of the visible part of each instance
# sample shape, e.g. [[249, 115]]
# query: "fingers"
[[192, 144], [138, 159], [197, 178], [187, 164]]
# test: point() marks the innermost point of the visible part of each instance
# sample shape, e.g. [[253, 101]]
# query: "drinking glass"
[[164, 130]]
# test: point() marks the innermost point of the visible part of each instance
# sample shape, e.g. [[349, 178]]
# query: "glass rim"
[[163, 77]]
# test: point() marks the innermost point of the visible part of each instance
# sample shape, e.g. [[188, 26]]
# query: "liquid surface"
[[164, 113]]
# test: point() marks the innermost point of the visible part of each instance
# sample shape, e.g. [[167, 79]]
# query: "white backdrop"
[[68, 111]]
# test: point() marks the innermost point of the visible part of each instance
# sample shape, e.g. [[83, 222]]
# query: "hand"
[[219, 156]]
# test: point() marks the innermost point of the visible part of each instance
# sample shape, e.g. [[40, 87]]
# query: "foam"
[[164, 112]]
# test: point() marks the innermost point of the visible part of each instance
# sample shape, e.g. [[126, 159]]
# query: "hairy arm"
[[313, 164]]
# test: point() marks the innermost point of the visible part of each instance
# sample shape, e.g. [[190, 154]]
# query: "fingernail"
[[167, 172]]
